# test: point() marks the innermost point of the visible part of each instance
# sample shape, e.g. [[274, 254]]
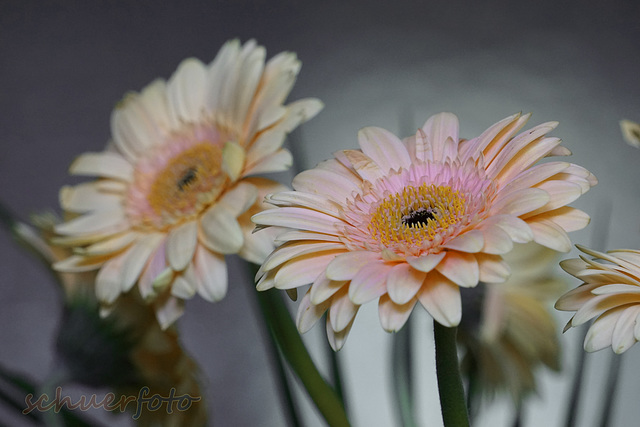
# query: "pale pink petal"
[[426, 263], [364, 166], [520, 202], [438, 129], [404, 282], [307, 200], [239, 198], [291, 251], [337, 339], [461, 268], [309, 314], [323, 288], [496, 240], [302, 270], [342, 310], [109, 279], [155, 266], [279, 161], [601, 303], [384, 148], [347, 265], [393, 316], [492, 140], [549, 234], [299, 218], [493, 269], [569, 219], [336, 187], [441, 298], [91, 223], [472, 241], [369, 282]]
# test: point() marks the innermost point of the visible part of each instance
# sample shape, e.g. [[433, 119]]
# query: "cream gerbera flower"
[[610, 292], [413, 220], [514, 332], [174, 193]]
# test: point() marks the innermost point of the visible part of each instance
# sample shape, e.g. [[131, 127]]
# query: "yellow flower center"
[[188, 183], [416, 214]]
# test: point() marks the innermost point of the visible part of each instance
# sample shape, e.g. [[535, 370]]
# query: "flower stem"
[[290, 343], [452, 399]]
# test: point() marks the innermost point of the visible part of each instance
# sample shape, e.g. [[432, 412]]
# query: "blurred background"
[[64, 65]]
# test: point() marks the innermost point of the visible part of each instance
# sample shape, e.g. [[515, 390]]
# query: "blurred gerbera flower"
[[174, 193], [414, 220], [631, 132], [513, 331], [610, 293]]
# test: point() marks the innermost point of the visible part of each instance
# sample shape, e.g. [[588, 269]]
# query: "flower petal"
[[181, 245], [404, 282], [441, 298], [461, 268], [393, 316], [347, 265], [219, 230], [211, 274], [369, 283]]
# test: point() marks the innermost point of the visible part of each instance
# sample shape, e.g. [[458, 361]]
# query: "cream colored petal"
[[438, 129], [536, 174], [426, 263], [79, 264], [86, 197], [185, 91], [185, 284], [364, 166], [233, 160], [492, 140], [240, 94], [346, 266], [218, 73], [369, 283], [567, 218], [105, 164], [211, 274], [576, 298], [520, 202], [168, 311], [279, 161], [336, 187], [323, 288], [155, 266], [300, 111], [309, 314], [441, 298], [293, 250], [393, 316], [403, 283], [573, 266], [600, 332], [109, 279], [549, 234], [268, 142], [561, 193], [219, 230], [493, 269], [384, 148], [312, 201], [302, 270], [630, 255], [181, 245], [461, 268], [337, 339], [91, 223], [137, 258], [601, 303], [622, 337], [292, 235], [496, 240], [109, 245], [342, 310], [516, 228], [257, 246], [472, 241], [239, 198], [300, 218], [423, 150]]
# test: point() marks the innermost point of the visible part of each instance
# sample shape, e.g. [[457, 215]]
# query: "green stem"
[[452, 399], [288, 339]]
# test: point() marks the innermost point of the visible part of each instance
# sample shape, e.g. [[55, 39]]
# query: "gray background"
[[64, 64]]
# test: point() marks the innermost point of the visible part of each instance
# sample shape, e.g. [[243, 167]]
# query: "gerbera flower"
[[414, 220], [610, 292], [513, 332], [174, 193]]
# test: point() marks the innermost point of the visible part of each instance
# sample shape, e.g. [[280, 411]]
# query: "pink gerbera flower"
[[174, 193], [414, 220]]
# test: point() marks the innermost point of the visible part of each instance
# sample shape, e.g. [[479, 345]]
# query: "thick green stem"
[[288, 338], [452, 399]]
